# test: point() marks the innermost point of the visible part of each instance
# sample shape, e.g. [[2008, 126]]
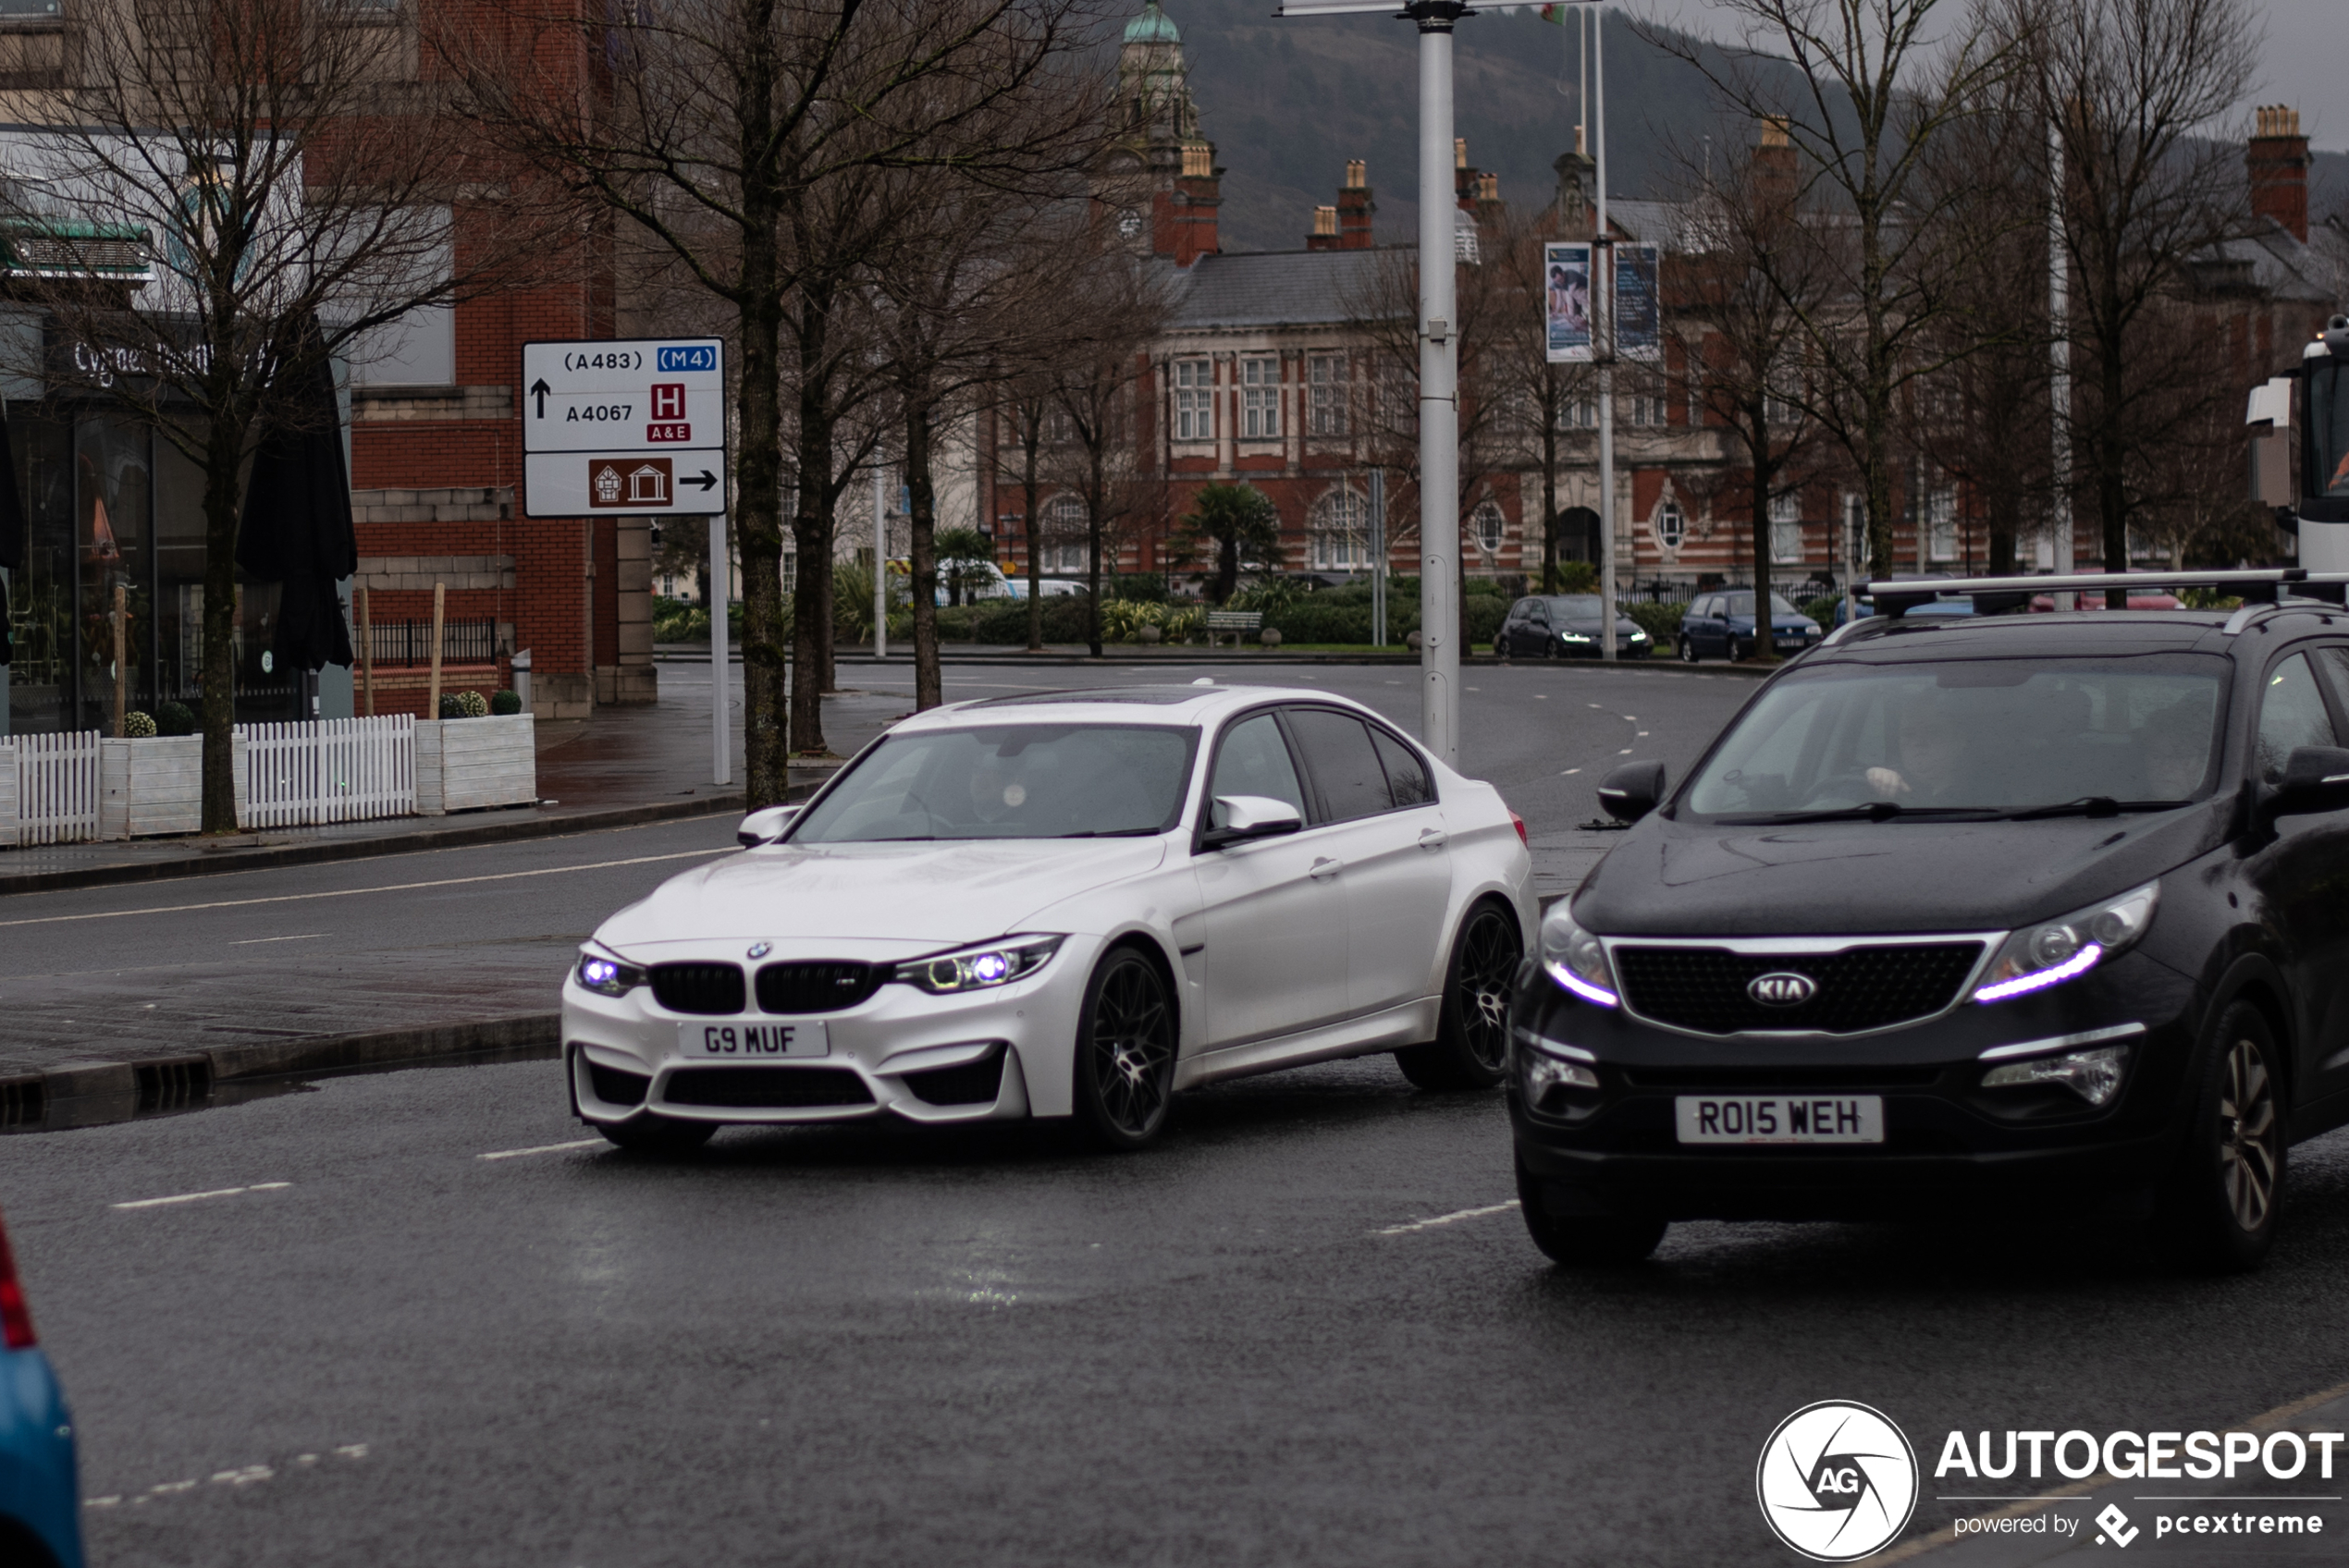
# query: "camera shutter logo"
[[1836, 1481], [1782, 988]]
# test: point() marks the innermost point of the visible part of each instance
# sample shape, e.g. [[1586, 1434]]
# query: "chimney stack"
[[1324, 235], [1776, 171], [1187, 214], [1354, 209], [2276, 161]]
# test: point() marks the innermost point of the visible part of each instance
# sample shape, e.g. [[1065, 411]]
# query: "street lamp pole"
[[1603, 301], [1439, 391], [881, 566]]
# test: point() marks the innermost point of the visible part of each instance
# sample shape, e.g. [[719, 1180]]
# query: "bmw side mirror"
[[2314, 778], [1238, 819], [1632, 791], [764, 826]]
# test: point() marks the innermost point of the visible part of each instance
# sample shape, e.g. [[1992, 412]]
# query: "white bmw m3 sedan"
[[1072, 904]]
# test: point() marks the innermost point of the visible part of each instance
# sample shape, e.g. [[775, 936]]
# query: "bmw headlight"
[[606, 975], [1574, 959], [975, 968], [2055, 951]]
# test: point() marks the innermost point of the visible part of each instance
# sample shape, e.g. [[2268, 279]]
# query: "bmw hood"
[[936, 895], [1854, 879]]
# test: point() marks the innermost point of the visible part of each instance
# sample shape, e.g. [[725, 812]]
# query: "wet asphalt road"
[[857, 1345]]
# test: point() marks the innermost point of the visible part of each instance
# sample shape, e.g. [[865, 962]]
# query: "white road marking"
[[1624, 753], [1643, 735], [256, 942], [193, 1198], [1541, 696], [1446, 1219], [542, 1148], [358, 893], [243, 1477], [1570, 772], [1594, 705]]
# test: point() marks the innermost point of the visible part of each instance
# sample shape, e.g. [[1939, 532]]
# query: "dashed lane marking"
[[244, 1475], [256, 942], [542, 1148], [360, 892], [1446, 1220], [197, 1197]]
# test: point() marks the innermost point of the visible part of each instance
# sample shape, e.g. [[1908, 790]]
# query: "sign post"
[[634, 427]]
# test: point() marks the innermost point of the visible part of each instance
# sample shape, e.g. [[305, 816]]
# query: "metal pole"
[[722, 766], [1378, 557], [1439, 411], [2060, 381], [1603, 299], [881, 567]]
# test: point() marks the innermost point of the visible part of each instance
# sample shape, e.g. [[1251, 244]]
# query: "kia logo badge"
[[1783, 988]]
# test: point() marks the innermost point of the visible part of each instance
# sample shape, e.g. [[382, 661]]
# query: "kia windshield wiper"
[[1874, 811], [2090, 806], [1111, 833]]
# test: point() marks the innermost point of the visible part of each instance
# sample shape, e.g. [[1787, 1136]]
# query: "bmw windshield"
[[1969, 739], [1008, 782]]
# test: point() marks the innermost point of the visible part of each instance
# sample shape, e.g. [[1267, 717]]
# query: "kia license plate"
[[1780, 1119], [762, 1040]]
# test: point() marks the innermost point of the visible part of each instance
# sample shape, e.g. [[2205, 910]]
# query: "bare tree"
[[1123, 305], [303, 188], [722, 134], [2131, 87], [1878, 85]]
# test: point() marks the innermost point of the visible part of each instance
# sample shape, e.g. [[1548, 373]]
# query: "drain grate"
[[172, 1085]]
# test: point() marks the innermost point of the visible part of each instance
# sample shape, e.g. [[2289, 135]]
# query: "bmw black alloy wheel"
[[1489, 954], [2248, 1159], [1126, 1070]]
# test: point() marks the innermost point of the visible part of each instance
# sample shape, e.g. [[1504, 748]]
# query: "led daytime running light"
[[1582, 987], [2079, 963]]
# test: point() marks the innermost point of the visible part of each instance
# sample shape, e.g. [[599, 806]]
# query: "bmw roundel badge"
[[759, 950]]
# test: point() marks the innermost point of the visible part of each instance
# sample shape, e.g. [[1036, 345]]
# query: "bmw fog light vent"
[[2055, 951], [977, 967], [2094, 1075]]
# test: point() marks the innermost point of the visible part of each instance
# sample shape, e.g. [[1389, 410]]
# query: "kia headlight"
[[2055, 951], [1575, 958], [977, 969], [2094, 1075], [606, 975]]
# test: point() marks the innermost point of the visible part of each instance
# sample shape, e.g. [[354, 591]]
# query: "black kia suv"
[[2005, 912]]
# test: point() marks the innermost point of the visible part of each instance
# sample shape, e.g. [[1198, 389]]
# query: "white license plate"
[[1780, 1119], [760, 1040]]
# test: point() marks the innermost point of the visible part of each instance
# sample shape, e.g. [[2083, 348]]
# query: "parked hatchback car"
[[1064, 905], [1720, 625], [1565, 626], [40, 1497], [1989, 913]]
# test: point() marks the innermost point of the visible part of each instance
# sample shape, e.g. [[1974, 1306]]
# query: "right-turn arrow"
[[705, 479]]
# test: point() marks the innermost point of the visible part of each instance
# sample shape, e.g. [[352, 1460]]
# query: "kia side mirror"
[[764, 826], [1632, 791], [2314, 778], [1238, 819]]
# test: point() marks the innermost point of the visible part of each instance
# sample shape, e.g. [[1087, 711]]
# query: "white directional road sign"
[[635, 426]]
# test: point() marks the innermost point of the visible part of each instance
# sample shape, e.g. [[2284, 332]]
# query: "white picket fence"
[[85, 786], [328, 770], [56, 787]]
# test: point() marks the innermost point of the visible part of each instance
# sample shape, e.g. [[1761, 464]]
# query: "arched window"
[[1064, 539], [1671, 525], [1339, 531], [1488, 526]]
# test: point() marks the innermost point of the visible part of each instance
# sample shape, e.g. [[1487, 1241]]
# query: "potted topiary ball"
[[451, 706], [505, 703], [475, 703], [138, 726], [175, 718]]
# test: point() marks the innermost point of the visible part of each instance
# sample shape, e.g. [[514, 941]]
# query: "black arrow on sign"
[[539, 389], [707, 480]]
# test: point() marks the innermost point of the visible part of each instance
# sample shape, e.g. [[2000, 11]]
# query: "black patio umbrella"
[[12, 535], [296, 523]]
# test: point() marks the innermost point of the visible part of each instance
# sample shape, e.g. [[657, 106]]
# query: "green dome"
[[1151, 27]]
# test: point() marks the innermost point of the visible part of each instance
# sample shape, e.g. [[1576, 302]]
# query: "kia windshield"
[[1972, 739], [1008, 782]]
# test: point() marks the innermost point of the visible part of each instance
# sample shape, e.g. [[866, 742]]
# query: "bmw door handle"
[[1434, 838], [1323, 869]]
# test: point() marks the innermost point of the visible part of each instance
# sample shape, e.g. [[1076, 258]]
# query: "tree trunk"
[[1030, 439], [758, 486], [223, 456], [2005, 518], [1765, 645], [2112, 493], [1094, 503], [922, 523], [1228, 570], [811, 529], [1550, 487]]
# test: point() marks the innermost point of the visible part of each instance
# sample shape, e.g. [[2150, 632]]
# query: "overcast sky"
[[2306, 61]]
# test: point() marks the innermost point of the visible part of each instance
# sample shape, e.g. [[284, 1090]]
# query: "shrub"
[[138, 726], [1485, 613], [1578, 577], [506, 703], [175, 718], [1822, 609], [1661, 622], [475, 703]]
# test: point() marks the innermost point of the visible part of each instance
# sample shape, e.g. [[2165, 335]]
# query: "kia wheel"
[[2220, 1207]]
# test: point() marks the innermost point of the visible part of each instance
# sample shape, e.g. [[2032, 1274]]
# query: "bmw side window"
[[2292, 714], [1406, 775], [1254, 760], [1344, 764]]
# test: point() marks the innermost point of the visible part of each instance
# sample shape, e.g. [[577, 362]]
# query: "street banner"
[[1566, 272], [1639, 325]]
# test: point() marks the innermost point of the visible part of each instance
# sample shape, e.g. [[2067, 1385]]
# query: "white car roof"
[[1108, 704]]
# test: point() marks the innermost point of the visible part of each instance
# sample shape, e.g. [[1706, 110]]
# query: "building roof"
[[1151, 27], [2275, 263], [1277, 288]]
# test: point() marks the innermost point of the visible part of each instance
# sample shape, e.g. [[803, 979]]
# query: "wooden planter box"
[[466, 763], [154, 787]]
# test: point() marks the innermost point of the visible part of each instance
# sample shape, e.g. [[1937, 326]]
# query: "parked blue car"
[[1719, 625], [40, 1489]]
